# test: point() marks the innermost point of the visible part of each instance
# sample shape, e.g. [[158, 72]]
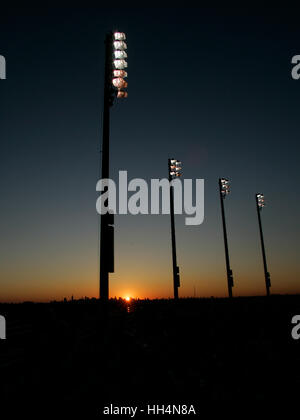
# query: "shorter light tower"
[[224, 191], [260, 204], [174, 168]]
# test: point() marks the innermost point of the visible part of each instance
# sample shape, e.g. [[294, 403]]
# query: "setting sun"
[[127, 298]]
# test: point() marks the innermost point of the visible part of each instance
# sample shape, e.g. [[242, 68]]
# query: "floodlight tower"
[[260, 204], [224, 188], [174, 168], [114, 84]]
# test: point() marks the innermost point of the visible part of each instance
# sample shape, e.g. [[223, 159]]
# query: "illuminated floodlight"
[[119, 83], [119, 36], [120, 64], [122, 94], [225, 186], [120, 54], [120, 45], [260, 200], [174, 168], [120, 73]]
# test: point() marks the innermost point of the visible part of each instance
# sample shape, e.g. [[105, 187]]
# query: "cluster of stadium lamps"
[[260, 200], [225, 187], [119, 64], [175, 168]]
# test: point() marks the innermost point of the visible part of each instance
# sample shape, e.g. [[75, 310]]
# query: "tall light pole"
[[174, 167], [224, 191], [260, 204], [114, 84]]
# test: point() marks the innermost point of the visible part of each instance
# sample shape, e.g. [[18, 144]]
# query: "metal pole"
[[106, 235], [267, 274], [228, 269], [176, 282]]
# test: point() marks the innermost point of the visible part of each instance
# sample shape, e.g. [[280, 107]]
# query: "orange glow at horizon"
[[204, 276]]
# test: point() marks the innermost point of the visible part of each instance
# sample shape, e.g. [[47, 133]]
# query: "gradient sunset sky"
[[210, 86]]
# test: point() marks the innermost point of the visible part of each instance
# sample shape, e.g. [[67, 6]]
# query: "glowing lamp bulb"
[[120, 73], [119, 83], [120, 54], [120, 45], [119, 36], [122, 94], [120, 64]]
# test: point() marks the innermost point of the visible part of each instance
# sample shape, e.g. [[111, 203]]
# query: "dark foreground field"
[[216, 352]]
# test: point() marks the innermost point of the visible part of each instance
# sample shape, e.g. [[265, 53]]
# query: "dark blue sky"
[[209, 86]]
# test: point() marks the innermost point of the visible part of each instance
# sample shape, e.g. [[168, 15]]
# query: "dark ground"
[[207, 352]]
